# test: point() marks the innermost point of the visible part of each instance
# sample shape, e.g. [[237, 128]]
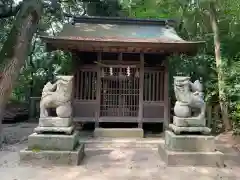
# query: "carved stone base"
[[55, 122], [179, 130], [65, 130], [188, 122]]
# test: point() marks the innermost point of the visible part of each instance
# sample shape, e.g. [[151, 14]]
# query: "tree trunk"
[[222, 96], [15, 49]]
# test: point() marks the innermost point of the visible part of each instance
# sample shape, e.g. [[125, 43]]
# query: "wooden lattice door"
[[119, 91]]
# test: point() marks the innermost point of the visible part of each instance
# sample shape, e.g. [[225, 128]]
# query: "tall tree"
[[222, 96], [15, 49]]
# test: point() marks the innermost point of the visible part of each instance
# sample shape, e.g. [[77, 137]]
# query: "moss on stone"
[[36, 149]]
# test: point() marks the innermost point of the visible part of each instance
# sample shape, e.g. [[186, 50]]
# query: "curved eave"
[[122, 45]]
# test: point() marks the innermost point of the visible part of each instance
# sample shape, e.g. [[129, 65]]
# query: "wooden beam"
[[101, 64], [141, 86]]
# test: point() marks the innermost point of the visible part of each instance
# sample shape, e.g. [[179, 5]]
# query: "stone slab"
[[191, 143], [53, 141], [179, 130], [119, 132], [188, 122], [174, 158], [66, 130], [55, 122], [71, 158]]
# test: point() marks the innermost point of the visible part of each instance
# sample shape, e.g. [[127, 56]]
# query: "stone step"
[[119, 132], [104, 146], [102, 143]]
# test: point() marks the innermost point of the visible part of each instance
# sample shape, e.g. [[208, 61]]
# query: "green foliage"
[[194, 24], [236, 119], [200, 66], [232, 88]]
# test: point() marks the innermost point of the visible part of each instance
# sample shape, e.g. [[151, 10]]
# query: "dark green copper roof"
[[121, 30], [126, 32]]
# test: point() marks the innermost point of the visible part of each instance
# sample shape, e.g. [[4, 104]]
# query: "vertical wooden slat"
[[145, 86], [98, 93], [163, 85], [120, 90], [141, 81], [149, 86], [122, 97], [77, 85], [110, 95], [153, 86], [75, 90], [85, 85], [134, 96], [95, 85], [157, 87], [89, 89], [81, 86], [166, 96]]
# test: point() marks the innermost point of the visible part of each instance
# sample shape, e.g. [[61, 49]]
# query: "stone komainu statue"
[[57, 95], [190, 99]]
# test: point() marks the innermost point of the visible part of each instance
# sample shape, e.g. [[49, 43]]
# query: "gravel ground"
[[16, 133], [121, 161]]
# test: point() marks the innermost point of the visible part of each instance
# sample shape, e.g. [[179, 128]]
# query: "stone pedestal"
[[179, 130], [188, 122], [194, 150], [53, 142], [60, 130], [54, 122]]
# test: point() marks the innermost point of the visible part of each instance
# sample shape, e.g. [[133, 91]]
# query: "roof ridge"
[[123, 20]]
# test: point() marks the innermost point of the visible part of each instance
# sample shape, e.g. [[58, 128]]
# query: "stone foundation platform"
[[119, 132], [52, 157], [53, 141], [53, 149], [190, 150], [176, 158]]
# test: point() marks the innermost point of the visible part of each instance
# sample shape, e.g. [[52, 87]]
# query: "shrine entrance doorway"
[[119, 92]]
